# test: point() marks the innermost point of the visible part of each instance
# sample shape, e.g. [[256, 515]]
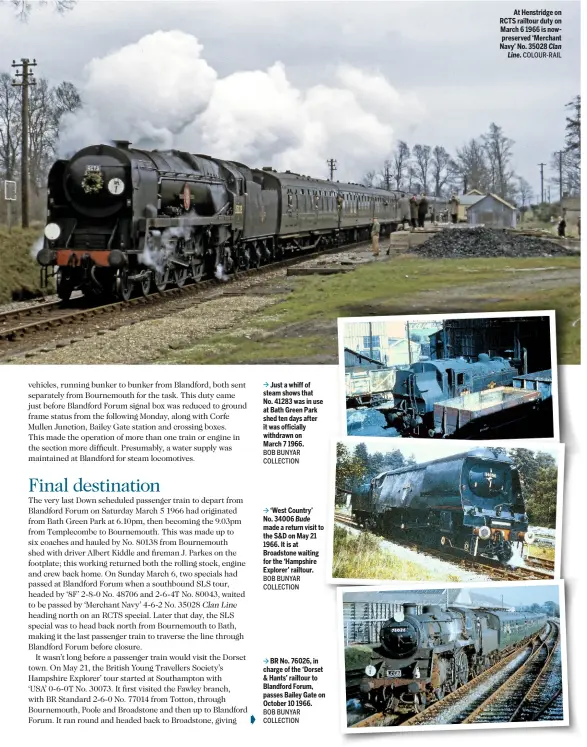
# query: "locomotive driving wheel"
[[197, 269], [146, 283], [124, 286], [180, 275], [461, 669], [160, 279]]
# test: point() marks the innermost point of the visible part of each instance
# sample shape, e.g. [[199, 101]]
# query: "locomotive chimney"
[[122, 144]]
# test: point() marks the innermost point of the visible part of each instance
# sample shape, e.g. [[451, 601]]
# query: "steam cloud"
[[161, 93]]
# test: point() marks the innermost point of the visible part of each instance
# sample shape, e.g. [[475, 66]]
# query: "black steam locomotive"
[[416, 390], [122, 220], [470, 501], [428, 651]]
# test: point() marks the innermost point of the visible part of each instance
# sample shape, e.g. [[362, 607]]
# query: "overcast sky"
[[354, 77]]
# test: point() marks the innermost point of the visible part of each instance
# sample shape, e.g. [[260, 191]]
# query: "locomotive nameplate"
[[394, 672]]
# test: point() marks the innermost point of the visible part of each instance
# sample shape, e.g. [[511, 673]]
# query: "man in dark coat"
[[413, 211], [422, 210], [454, 208]]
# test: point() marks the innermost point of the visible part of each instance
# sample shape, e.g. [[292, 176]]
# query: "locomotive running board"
[[145, 223]]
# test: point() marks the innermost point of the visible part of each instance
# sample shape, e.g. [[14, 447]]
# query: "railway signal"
[[9, 197]]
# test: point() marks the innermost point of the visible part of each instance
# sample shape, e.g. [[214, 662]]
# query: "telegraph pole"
[[560, 174], [542, 165], [26, 79], [331, 162]]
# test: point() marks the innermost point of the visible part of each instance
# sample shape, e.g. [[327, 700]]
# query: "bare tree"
[[386, 174], [369, 179], [66, 99], [499, 153], [441, 166], [572, 152], [10, 129], [400, 161], [472, 167], [525, 194], [422, 157], [47, 106], [23, 8]]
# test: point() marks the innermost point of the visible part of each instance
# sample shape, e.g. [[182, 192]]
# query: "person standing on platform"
[[454, 208], [375, 230], [404, 210], [413, 211], [422, 210]]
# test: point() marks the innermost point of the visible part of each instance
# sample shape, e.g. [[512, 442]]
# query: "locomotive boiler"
[[123, 220], [426, 652], [425, 383], [472, 502]]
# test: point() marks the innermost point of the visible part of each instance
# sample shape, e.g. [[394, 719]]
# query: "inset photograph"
[[458, 657], [446, 512], [467, 376]]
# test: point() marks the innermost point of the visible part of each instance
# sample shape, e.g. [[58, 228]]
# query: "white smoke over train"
[[160, 92]]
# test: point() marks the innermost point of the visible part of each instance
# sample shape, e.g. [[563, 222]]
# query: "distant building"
[[375, 341], [493, 212], [466, 202], [523, 340]]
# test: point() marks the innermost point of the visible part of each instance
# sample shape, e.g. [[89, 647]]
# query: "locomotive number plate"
[[394, 672]]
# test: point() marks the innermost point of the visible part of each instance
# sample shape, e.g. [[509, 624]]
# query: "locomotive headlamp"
[[52, 231], [530, 537], [399, 616], [370, 671], [484, 533], [416, 672]]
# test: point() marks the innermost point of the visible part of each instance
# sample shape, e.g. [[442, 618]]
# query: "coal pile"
[[487, 242]]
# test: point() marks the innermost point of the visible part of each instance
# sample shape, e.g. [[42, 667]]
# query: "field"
[[19, 273], [300, 327]]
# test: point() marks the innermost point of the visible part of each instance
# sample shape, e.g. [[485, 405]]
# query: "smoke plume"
[[160, 92]]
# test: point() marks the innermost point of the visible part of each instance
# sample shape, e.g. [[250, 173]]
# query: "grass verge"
[[359, 556], [302, 326], [19, 272], [543, 553]]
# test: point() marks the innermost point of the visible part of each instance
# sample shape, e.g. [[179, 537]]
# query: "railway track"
[[465, 705], [541, 563], [21, 324], [525, 687], [479, 565]]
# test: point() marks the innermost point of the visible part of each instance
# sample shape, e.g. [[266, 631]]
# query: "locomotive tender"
[[122, 220], [471, 501], [417, 389], [427, 652]]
